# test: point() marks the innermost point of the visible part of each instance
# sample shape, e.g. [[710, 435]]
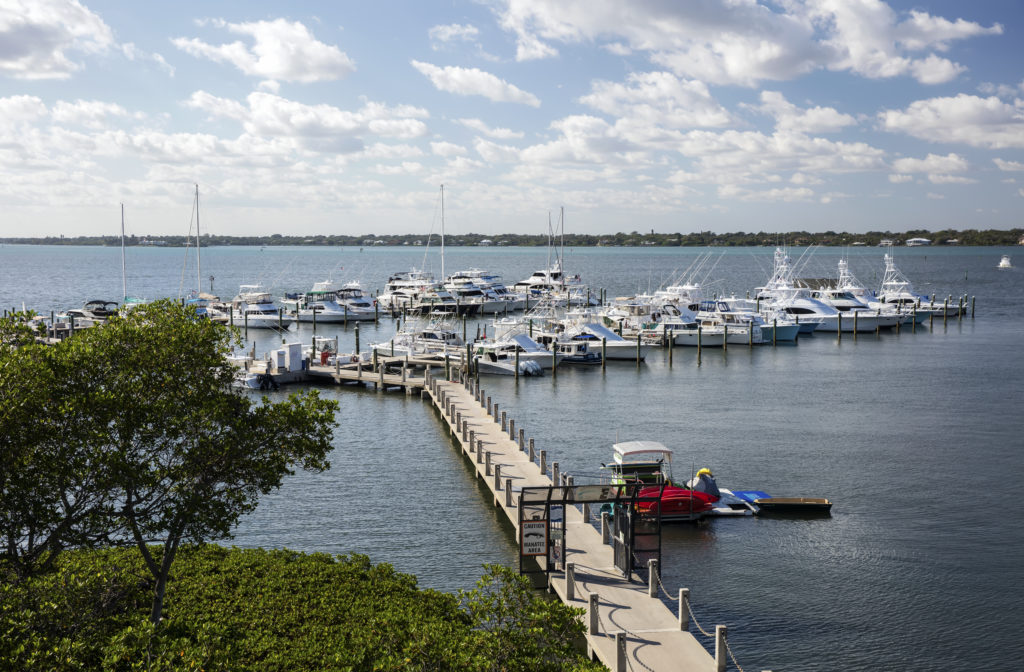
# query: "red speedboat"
[[677, 504], [650, 463]]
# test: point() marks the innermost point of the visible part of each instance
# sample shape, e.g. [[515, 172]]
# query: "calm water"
[[915, 437]]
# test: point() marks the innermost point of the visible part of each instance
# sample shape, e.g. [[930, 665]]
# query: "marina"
[[790, 420]]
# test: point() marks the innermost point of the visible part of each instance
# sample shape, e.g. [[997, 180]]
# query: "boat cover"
[[751, 495]]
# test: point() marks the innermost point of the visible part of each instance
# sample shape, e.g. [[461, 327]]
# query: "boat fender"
[[354, 359]]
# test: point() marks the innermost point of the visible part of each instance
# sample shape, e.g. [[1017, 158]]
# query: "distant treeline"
[[634, 239]]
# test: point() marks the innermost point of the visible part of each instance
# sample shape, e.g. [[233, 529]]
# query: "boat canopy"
[[634, 449], [601, 331], [526, 343]]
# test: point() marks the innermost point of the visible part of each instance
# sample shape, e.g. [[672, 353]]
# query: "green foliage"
[[233, 609], [133, 432], [520, 630]]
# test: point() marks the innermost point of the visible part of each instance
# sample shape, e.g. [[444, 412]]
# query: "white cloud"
[[447, 149], [935, 70], [495, 153], [280, 50], [453, 32], [89, 113], [744, 41], [36, 37], [933, 163], [978, 122], [496, 133], [16, 110], [660, 99], [474, 82], [1008, 165], [788, 117], [319, 127], [384, 151], [936, 178], [782, 194], [900, 179], [1002, 90], [404, 168], [133, 53]]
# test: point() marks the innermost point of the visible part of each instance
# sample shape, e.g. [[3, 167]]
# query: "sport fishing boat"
[[321, 304], [650, 463], [254, 307]]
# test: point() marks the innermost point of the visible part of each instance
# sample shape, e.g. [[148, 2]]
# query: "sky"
[[649, 115]]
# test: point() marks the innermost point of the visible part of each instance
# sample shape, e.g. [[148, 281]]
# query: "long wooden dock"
[[629, 627]]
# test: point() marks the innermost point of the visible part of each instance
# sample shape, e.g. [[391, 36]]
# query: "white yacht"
[[776, 326], [473, 299], [499, 355], [603, 340], [780, 293], [433, 339], [253, 307], [513, 300], [352, 296], [897, 290], [323, 299]]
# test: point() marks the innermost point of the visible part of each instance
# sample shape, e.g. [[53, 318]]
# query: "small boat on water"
[[1004, 262], [650, 463], [96, 310], [808, 506]]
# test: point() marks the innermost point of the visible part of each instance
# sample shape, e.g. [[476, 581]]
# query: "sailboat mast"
[[199, 273], [561, 238], [124, 273], [442, 233]]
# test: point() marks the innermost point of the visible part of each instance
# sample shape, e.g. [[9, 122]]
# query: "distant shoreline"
[[967, 238]]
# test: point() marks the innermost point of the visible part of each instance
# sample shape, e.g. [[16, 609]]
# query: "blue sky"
[[345, 117]]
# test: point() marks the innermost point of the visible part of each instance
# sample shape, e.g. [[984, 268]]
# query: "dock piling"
[[533, 452], [684, 609], [594, 605], [720, 653], [543, 461], [606, 527], [652, 578], [554, 473], [570, 582], [508, 493], [620, 652]]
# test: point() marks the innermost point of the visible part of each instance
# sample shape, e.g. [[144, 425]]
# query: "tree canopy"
[[133, 433], [234, 609]]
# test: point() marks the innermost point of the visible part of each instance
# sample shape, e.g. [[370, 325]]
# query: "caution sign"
[[534, 539]]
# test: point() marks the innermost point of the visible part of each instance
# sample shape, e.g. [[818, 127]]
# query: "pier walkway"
[[629, 627]]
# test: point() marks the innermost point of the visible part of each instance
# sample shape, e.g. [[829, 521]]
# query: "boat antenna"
[[124, 274]]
